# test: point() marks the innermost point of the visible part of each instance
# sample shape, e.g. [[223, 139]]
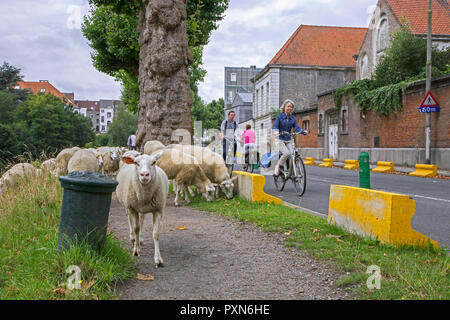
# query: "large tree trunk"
[[165, 100]]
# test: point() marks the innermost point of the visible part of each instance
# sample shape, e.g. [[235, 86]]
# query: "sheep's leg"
[[191, 192], [142, 226], [156, 224], [186, 197], [176, 188], [137, 230], [131, 225]]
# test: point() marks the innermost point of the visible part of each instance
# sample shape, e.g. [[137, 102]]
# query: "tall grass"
[[31, 266]]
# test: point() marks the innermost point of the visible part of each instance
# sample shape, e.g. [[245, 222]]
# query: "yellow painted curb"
[[326, 163], [309, 161], [351, 164], [376, 214], [425, 170], [384, 166], [250, 186]]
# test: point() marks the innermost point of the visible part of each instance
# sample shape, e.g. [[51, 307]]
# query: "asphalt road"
[[432, 196]]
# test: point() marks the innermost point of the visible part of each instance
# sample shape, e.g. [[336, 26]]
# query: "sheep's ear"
[[155, 156], [128, 160]]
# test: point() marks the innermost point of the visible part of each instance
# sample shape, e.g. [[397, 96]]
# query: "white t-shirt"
[[132, 140]]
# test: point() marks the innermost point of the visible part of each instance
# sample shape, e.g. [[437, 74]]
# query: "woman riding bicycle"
[[285, 122]]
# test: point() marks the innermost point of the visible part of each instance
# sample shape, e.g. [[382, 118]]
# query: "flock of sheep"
[[143, 178]]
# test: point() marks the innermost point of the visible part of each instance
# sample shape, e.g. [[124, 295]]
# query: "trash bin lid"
[[88, 182]]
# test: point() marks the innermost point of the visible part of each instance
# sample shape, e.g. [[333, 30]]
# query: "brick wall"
[[309, 140], [405, 129]]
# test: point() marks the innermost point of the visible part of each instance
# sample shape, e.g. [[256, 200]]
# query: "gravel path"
[[216, 258]]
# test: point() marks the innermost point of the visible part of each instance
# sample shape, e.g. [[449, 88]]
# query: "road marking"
[[353, 185], [430, 198], [322, 215]]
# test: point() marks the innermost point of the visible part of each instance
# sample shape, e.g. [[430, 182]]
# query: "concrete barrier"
[[384, 166], [376, 214], [351, 164], [425, 170], [250, 186], [309, 161], [328, 163]]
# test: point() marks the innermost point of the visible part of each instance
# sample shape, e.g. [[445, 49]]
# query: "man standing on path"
[[131, 143], [228, 128]]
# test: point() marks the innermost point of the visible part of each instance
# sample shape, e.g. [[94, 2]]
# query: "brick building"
[[399, 138], [388, 16], [314, 59]]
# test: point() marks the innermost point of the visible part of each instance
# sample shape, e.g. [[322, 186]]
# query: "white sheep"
[[143, 188], [185, 171], [83, 160], [109, 159], [212, 164], [152, 146], [63, 158], [18, 171]]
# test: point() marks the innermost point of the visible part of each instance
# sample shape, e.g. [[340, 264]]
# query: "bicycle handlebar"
[[293, 133]]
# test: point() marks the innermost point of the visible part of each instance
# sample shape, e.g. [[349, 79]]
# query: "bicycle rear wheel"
[[299, 176]]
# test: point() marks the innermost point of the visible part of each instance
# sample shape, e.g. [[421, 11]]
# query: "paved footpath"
[[219, 258]]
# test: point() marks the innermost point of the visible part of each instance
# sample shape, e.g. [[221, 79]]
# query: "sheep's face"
[[144, 166], [114, 155], [227, 188]]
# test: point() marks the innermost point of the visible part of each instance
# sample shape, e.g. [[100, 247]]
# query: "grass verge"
[[406, 273], [31, 267]]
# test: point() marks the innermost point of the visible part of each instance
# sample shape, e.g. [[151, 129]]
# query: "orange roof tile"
[[89, 104], [416, 13], [321, 46], [42, 86]]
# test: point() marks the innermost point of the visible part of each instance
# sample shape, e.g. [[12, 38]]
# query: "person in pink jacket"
[[249, 138]]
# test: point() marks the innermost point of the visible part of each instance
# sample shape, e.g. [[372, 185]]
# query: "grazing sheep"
[[185, 171], [152, 146], [20, 170], [83, 160], [212, 164], [143, 188], [62, 160]]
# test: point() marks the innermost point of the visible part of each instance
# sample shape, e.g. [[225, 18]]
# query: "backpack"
[[234, 123]]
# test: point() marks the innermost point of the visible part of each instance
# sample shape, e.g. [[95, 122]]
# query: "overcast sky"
[[44, 39]]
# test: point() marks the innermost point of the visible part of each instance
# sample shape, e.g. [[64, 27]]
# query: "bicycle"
[[295, 170], [230, 157]]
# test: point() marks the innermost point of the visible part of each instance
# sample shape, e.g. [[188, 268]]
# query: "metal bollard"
[[364, 170], [85, 209]]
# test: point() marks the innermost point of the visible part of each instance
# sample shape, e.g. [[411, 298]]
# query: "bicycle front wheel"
[[299, 176]]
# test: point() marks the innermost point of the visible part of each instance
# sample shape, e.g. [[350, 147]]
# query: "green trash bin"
[[364, 170], [85, 209]]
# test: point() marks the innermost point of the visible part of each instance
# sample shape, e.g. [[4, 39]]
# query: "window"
[[42, 90], [230, 96], [108, 114], [320, 123], [233, 77], [97, 128], [108, 123], [364, 67], [344, 120], [103, 128], [267, 98], [97, 121], [305, 125]]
